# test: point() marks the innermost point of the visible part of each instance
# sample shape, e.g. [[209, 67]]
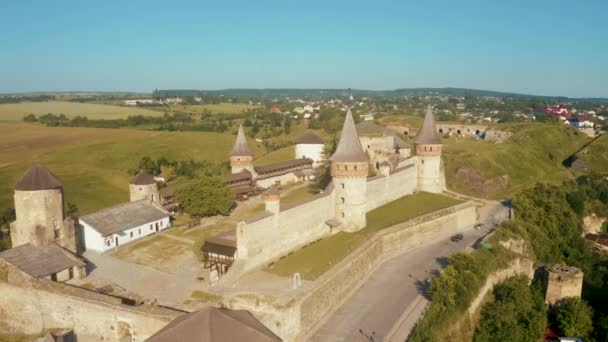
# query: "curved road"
[[392, 294]]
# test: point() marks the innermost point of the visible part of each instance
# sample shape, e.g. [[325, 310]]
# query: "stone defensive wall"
[[338, 283], [459, 129], [269, 236], [29, 306], [518, 266], [384, 189]]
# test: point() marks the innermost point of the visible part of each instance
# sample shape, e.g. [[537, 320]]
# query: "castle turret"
[[143, 186], [39, 209], [272, 200], [241, 157], [349, 169], [310, 146], [428, 149]]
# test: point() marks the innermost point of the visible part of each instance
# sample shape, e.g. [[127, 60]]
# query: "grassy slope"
[[16, 111], [534, 153], [93, 163], [318, 257], [596, 155]]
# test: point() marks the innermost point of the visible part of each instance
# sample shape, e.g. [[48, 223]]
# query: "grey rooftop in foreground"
[[40, 261], [241, 148], [124, 216], [38, 177], [349, 148], [427, 134], [215, 325]]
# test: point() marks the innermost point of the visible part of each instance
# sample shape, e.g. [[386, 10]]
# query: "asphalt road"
[[372, 311]]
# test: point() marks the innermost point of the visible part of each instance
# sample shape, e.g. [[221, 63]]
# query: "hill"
[[594, 157], [293, 92], [16, 111], [494, 170]]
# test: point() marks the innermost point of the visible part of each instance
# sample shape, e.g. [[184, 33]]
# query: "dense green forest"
[[550, 218]]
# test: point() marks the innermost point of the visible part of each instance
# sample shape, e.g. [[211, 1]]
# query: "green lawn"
[[282, 154], [159, 252], [318, 257], [16, 111], [298, 195]]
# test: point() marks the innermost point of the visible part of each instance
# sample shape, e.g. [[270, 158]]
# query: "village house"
[[142, 216]]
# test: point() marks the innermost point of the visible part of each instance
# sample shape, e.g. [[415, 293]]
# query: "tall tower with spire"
[[349, 169], [241, 157], [431, 177]]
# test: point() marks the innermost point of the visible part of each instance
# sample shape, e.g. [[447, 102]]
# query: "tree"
[[205, 196], [517, 313], [324, 174], [72, 211], [573, 317], [30, 118]]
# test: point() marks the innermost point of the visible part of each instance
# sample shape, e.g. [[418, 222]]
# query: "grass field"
[[534, 153], [318, 257], [93, 163], [159, 252], [16, 111], [282, 154], [225, 108]]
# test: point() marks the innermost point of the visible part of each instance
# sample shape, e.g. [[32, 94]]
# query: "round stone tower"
[[143, 186], [38, 207], [241, 157], [349, 169], [431, 177], [563, 282]]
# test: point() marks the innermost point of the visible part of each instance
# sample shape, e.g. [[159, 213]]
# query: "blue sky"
[[533, 46]]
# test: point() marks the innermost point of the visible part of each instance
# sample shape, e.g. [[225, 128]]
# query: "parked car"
[[457, 237], [479, 226]]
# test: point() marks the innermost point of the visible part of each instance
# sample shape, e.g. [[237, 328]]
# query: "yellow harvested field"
[[16, 111]]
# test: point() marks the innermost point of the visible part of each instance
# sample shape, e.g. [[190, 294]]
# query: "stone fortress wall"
[[29, 305], [301, 315], [383, 189], [269, 235]]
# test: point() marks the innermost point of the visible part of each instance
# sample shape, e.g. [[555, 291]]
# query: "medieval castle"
[[342, 206]]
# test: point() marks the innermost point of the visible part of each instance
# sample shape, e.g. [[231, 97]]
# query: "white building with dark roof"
[[124, 223], [310, 146]]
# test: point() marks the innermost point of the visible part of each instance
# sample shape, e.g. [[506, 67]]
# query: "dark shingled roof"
[[283, 165], [310, 138], [143, 178], [215, 325], [40, 261], [239, 176], [124, 216], [427, 134], [241, 148], [349, 148], [38, 177]]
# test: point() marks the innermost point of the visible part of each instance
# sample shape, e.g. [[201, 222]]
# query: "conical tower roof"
[[427, 134], [241, 148], [37, 178], [349, 147], [143, 178]]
